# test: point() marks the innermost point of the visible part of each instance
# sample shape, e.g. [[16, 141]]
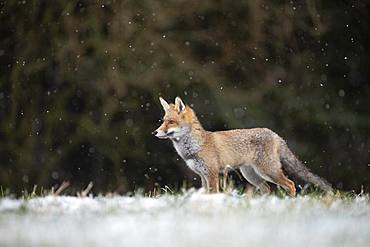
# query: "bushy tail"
[[295, 167]]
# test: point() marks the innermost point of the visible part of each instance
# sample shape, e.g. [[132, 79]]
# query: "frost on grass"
[[193, 219]]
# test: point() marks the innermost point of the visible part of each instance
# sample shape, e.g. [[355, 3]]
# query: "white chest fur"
[[198, 166], [188, 148], [191, 164]]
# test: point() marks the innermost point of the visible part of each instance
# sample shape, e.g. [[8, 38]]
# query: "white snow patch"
[[193, 219]]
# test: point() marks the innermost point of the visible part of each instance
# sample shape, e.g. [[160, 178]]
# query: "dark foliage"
[[80, 80]]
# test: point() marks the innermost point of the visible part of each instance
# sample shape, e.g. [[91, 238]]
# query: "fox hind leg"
[[286, 183], [280, 179], [252, 177], [272, 172]]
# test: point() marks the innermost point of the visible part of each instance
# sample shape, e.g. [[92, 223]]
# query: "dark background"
[[80, 81]]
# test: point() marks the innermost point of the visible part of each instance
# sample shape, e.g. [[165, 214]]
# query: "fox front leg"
[[213, 179], [205, 183]]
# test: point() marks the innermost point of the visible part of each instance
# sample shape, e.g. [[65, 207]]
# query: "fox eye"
[[171, 121]]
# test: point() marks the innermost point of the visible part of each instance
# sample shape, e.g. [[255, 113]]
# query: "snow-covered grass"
[[191, 219]]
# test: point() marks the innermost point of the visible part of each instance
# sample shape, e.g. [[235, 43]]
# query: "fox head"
[[177, 120]]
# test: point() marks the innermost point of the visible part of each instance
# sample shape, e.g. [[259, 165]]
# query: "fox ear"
[[179, 105], [164, 104]]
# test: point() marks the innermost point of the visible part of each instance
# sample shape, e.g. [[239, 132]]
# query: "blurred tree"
[[79, 83]]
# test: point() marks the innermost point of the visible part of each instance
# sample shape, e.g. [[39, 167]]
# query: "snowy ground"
[[194, 219]]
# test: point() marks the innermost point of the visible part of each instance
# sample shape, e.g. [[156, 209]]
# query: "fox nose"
[[154, 132]]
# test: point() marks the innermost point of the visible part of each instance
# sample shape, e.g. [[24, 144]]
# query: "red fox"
[[259, 153]]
